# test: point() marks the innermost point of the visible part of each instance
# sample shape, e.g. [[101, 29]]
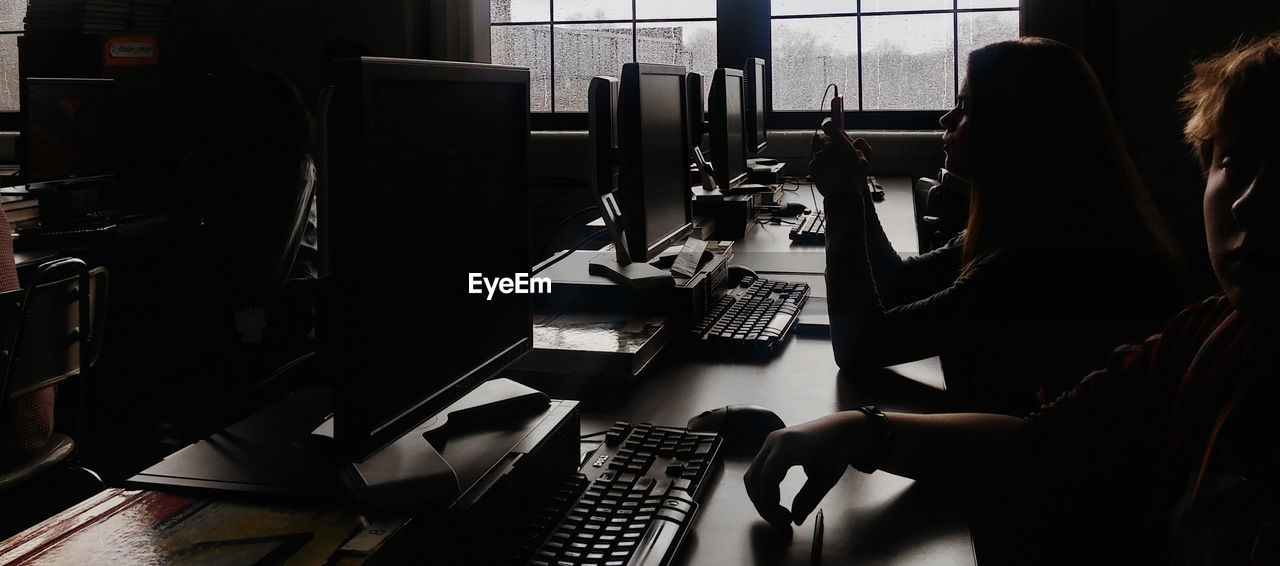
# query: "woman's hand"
[[839, 164], [824, 448]]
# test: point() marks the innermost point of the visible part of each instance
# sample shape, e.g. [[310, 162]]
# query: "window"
[[883, 54], [566, 42], [11, 14]]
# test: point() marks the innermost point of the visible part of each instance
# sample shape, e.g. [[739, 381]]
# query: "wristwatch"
[[881, 435]]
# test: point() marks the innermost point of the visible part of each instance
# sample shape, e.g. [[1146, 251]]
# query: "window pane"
[[908, 62], [11, 13], [904, 5], [809, 54], [671, 9], [691, 44], [968, 4], [983, 28], [518, 10], [9, 73], [527, 46], [584, 51], [578, 10], [794, 7]]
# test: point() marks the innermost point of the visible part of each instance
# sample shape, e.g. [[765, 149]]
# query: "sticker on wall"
[[131, 50]]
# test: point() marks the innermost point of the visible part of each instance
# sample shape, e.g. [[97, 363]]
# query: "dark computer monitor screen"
[[697, 112], [753, 74], [407, 333], [66, 128], [728, 148], [602, 128], [653, 118]]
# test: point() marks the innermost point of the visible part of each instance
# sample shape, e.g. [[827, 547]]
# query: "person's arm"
[[961, 447], [1093, 427], [866, 333]]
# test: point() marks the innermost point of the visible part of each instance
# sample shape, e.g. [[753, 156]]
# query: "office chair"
[[941, 211], [50, 332]]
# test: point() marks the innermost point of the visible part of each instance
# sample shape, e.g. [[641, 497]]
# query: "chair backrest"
[[51, 330]]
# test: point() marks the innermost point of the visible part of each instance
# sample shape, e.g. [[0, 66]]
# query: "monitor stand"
[[411, 468], [635, 274]]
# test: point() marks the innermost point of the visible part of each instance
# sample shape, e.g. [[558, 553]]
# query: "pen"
[[815, 556]]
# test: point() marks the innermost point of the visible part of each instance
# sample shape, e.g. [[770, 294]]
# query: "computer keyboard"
[[877, 192], [757, 314], [810, 229], [630, 504]]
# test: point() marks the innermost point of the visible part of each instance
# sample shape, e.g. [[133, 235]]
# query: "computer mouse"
[[743, 427], [741, 275], [791, 209]]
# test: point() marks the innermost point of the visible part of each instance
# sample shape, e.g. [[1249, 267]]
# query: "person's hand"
[[824, 448], [839, 164]]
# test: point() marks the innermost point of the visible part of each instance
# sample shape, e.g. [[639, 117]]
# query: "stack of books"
[[77, 16]]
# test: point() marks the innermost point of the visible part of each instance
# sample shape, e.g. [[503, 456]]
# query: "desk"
[[875, 519], [768, 248]]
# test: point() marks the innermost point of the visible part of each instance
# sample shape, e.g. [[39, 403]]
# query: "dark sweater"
[[1118, 458]]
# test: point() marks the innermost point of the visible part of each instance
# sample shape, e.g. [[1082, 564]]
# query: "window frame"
[[761, 22], [877, 119], [577, 120]]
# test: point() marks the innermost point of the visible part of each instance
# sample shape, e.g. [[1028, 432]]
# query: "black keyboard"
[[757, 314], [631, 503], [877, 192], [810, 229]]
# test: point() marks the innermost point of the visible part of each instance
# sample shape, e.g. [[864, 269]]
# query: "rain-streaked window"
[[11, 14], [883, 54], [566, 42]]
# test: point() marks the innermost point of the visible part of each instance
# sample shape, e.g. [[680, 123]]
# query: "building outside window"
[[11, 14], [566, 42]]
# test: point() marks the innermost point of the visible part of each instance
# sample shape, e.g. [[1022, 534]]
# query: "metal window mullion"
[[551, 42], [860, 96], [955, 48]]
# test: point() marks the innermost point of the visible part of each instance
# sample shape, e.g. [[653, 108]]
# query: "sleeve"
[[901, 281], [864, 332], [1105, 417]]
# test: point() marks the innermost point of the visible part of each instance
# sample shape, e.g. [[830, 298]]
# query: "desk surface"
[[870, 519], [768, 248], [875, 519]]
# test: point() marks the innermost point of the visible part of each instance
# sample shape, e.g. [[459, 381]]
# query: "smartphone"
[[837, 110]]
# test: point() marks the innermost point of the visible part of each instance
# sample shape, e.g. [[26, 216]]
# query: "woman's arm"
[[1107, 422], [962, 447], [866, 333]]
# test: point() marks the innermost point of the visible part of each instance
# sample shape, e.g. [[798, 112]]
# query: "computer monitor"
[[602, 116], [753, 74], [400, 323], [653, 143], [66, 129], [728, 148], [697, 112]]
